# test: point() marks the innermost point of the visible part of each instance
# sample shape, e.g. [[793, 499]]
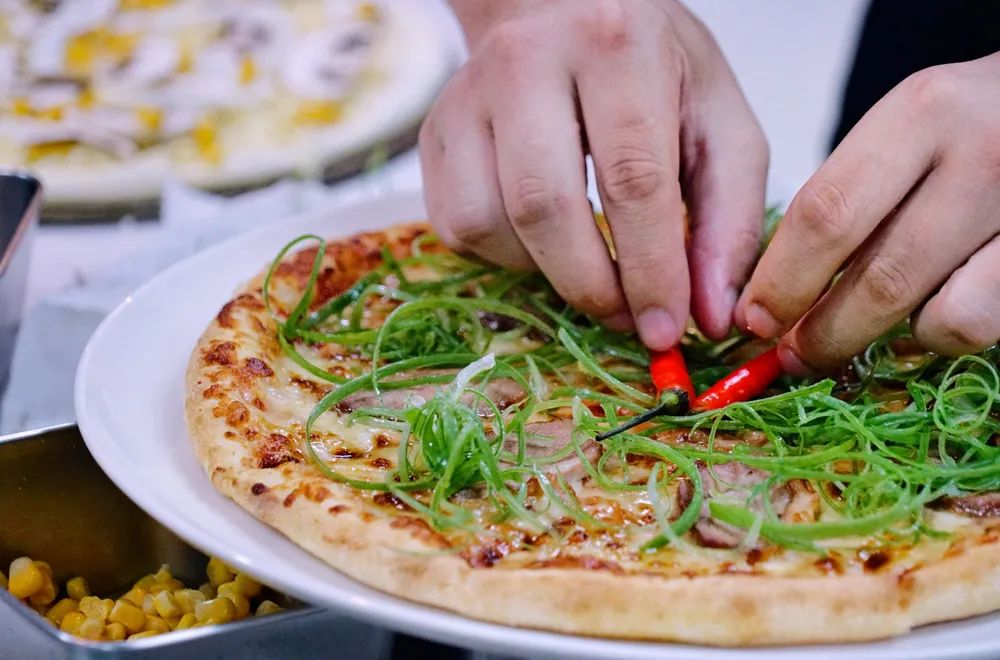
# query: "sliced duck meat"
[[544, 439], [793, 501], [501, 391], [976, 505]]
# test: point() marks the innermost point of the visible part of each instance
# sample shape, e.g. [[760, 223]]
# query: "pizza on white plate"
[[107, 99], [428, 425]]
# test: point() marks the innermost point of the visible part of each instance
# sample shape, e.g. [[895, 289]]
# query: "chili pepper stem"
[[672, 402]]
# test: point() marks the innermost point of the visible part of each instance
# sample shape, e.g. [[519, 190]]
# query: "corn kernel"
[[116, 632], [72, 622], [157, 624], [218, 572], [60, 610], [165, 605], [142, 635], [231, 591], [248, 70], [267, 607], [95, 608], [108, 603], [216, 610], [136, 596], [248, 586], [46, 594], [25, 577], [173, 584], [129, 615], [44, 567], [3, 580], [77, 588], [148, 605], [145, 582], [368, 11], [186, 599], [91, 629], [163, 574], [208, 590], [186, 621]]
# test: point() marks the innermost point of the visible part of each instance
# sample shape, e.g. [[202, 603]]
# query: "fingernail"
[[760, 322], [657, 329], [728, 303], [792, 362], [622, 322]]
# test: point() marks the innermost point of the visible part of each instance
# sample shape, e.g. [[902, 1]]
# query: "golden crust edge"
[[718, 610]]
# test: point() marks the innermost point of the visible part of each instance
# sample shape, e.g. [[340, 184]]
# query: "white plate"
[[129, 403]]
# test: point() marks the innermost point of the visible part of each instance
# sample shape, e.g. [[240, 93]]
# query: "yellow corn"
[[91, 629], [145, 582], [319, 112], [248, 586], [3, 580], [108, 603], [149, 605], [60, 610], [163, 575], [116, 632], [143, 634], [44, 567], [267, 607], [77, 588], [46, 594], [186, 599], [217, 572], [136, 596], [216, 610], [208, 590], [95, 608], [248, 70], [165, 605], [157, 624], [129, 615], [71, 622], [368, 11], [231, 591], [186, 621], [25, 577]]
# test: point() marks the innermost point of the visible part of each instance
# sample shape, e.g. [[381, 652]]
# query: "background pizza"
[[108, 98]]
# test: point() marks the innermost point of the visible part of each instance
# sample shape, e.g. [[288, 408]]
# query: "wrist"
[[477, 16]]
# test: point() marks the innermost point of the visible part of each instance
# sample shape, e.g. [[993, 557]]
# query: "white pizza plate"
[[129, 404]]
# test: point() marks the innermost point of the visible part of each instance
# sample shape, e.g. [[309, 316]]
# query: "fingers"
[[725, 174], [864, 179], [542, 181], [462, 189], [633, 137], [906, 261], [964, 316]]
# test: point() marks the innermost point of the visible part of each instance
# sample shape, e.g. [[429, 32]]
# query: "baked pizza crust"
[[402, 556]]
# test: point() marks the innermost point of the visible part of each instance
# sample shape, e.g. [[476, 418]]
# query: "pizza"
[[426, 425], [107, 99]]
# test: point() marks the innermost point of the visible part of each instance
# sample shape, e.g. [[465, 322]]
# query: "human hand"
[[639, 84], [909, 207]]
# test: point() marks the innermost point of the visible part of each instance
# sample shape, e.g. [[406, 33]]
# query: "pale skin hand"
[[908, 207], [640, 85]]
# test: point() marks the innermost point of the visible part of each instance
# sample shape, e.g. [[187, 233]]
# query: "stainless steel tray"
[[20, 201], [57, 505]]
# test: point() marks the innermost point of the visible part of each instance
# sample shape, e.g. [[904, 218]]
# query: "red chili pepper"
[[670, 374], [674, 391], [744, 383]]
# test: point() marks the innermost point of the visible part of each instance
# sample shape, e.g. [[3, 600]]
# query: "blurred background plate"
[[129, 403]]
